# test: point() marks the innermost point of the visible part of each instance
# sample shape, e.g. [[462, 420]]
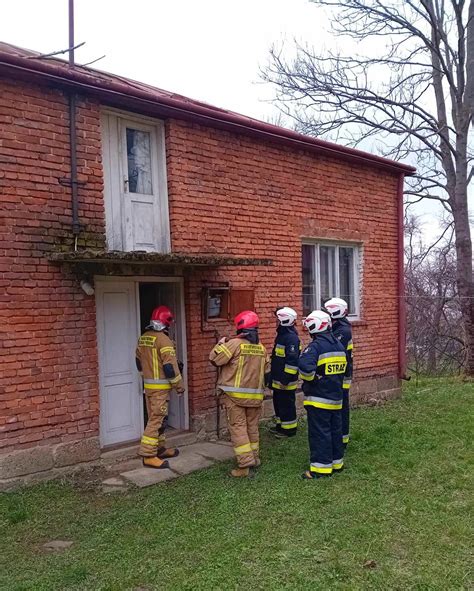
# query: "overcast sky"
[[206, 49], [209, 50]]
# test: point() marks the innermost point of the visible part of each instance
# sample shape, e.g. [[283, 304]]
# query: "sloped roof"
[[124, 92]]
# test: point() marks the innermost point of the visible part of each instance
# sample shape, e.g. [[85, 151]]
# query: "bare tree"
[[433, 306], [470, 60], [413, 99]]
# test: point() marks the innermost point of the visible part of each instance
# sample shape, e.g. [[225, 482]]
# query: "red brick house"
[[115, 197]]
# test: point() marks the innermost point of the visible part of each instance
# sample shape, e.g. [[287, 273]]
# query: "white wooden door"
[[135, 185], [121, 408], [140, 187]]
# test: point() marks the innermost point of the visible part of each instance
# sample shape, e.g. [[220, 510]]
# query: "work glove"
[[180, 390], [180, 366], [268, 379]]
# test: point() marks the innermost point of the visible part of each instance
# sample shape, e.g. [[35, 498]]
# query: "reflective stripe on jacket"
[[242, 366], [157, 356], [322, 366], [342, 330], [284, 360]]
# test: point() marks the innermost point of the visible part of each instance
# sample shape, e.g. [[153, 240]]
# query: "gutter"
[[123, 93]]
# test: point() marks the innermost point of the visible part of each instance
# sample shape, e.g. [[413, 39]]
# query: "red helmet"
[[162, 314], [247, 319]]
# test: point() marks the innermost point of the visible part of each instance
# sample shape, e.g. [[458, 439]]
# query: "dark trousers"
[[284, 404], [325, 440], [345, 416]]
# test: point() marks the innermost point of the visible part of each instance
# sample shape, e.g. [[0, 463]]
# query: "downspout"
[[76, 227], [401, 286]]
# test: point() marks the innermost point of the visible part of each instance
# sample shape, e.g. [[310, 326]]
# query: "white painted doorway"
[[123, 308]]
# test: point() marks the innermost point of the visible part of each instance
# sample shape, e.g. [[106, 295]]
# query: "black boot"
[[284, 434]]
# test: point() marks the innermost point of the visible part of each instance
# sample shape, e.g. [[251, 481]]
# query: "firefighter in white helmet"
[[283, 378], [342, 330], [322, 366]]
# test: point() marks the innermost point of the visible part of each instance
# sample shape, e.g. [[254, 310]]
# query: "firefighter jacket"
[[156, 358], [342, 330], [284, 361], [322, 366], [242, 366]]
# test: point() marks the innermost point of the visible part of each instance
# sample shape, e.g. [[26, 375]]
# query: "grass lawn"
[[398, 518]]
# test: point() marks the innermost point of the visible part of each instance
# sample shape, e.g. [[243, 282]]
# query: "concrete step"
[[143, 477], [128, 452], [192, 457]]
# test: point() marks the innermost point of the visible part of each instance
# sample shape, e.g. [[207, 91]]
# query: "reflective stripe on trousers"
[[325, 403], [320, 468], [242, 449], [279, 386]]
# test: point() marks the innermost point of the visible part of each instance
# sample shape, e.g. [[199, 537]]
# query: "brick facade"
[[251, 198], [48, 358], [229, 193]]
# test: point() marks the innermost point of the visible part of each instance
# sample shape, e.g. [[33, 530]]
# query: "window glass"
[[309, 279], [327, 272], [139, 161], [346, 276]]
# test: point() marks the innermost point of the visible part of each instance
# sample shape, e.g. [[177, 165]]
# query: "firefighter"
[[242, 363], [156, 359], [342, 330], [322, 366], [284, 373]]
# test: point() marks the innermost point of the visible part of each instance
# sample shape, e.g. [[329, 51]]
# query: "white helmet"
[[336, 308], [286, 316], [317, 321]]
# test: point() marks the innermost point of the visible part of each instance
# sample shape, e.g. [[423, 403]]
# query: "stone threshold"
[[195, 456]]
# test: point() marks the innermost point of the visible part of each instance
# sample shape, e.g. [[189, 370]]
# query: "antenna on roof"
[[71, 32]]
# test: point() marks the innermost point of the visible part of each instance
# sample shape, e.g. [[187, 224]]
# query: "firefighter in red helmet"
[[242, 363], [156, 359]]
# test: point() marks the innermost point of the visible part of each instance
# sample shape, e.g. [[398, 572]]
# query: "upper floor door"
[[135, 187]]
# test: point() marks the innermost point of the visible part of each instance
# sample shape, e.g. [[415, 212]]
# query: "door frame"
[[136, 280]]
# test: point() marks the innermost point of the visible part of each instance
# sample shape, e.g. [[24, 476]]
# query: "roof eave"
[[123, 95]]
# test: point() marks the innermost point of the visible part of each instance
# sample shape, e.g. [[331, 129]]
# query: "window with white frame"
[[330, 270]]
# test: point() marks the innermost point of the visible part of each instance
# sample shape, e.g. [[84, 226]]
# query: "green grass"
[[403, 502]]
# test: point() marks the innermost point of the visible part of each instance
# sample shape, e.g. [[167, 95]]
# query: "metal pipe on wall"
[[401, 285], [76, 227]]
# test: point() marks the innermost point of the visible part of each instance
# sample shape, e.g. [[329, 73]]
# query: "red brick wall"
[[228, 194], [48, 360], [237, 195]]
